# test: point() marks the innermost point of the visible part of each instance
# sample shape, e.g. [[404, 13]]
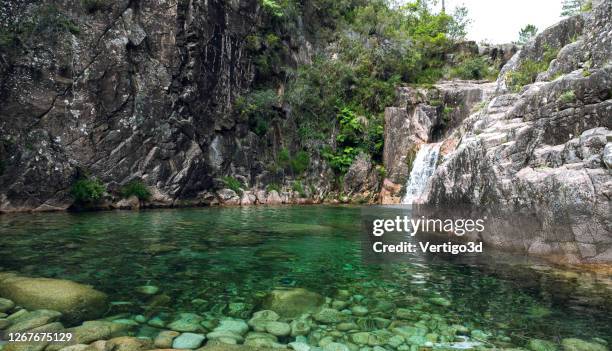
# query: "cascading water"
[[422, 168]]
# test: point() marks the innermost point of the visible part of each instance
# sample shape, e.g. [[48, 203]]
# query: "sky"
[[499, 21]]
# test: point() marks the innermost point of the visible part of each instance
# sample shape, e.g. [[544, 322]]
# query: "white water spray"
[[422, 168]]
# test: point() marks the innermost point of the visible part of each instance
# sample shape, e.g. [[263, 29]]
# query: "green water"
[[204, 259]]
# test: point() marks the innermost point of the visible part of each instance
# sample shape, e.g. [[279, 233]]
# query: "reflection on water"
[[204, 259]]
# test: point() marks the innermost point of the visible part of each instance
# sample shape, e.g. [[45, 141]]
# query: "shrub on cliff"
[[136, 188], [87, 191]]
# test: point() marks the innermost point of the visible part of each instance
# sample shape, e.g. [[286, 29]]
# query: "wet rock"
[[300, 326], [77, 347], [33, 320], [291, 303], [127, 343], [328, 316], [404, 313], [278, 328], [147, 289], [75, 301], [4, 323], [346, 326], [6, 305], [541, 345], [187, 322], [188, 341], [261, 318], [574, 344], [299, 346], [335, 346], [156, 322], [359, 310], [224, 336], [236, 326], [440, 301], [164, 339]]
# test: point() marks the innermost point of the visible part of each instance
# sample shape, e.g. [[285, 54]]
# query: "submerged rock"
[[188, 341], [33, 320], [291, 303], [164, 339], [541, 345], [329, 315], [278, 328], [75, 301], [6, 305], [574, 344]]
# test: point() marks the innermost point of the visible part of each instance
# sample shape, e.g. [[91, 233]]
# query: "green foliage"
[[272, 7], [93, 6], [410, 157], [567, 97], [574, 7], [136, 188], [87, 191], [273, 186], [259, 109], [300, 162], [296, 164], [382, 171], [586, 72], [299, 188], [529, 69], [526, 33], [473, 67], [233, 184]]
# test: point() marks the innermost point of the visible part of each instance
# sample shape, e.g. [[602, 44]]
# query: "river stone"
[[236, 326], [346, 326], [4, 323], [408, 331], [75, 301], [6, 305], [574, 344], [224, 335], [360, 338], [261, 318], [541, 345], [156, 322], [328, 315], [278, 328], [359, 311], [33, 320], [128, 343], [164, 339], [300, 327], [440, 301], [148, 289], [188, 341], [335, 346], [293, 302], [339, 304], [187, 322], [299, 346], [395, 341], [77, 347]]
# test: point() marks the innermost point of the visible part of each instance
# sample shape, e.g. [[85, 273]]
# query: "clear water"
[[423, 167], [204, 259]]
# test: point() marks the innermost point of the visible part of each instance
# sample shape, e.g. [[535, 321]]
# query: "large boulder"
[[361, 177], [76, 302], [291, 303]]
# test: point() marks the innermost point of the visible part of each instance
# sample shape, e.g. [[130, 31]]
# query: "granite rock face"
[[132, 90], [543, 150]]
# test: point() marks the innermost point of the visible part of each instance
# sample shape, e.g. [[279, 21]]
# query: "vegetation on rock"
[[136, 188], [87, 191]]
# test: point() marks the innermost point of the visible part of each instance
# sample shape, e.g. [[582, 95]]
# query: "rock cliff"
[[128, 90], [543, 148]]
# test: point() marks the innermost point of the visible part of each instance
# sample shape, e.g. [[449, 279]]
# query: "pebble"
[[278, 328], [164, 339], [440, 301], [300, 327], [299, 346], [224, 334], [147, 289], [328, 316], [336, 346], [359, 311], [236, 326], [188, 341], [156, 322], [6, 305], [347, 326], [4, 323]]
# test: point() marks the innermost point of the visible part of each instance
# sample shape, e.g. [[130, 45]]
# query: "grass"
[[528, 71], [136, 188], [567, 97], [233, 183]]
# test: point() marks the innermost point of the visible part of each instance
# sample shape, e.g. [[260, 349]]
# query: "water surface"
[[204, 259]]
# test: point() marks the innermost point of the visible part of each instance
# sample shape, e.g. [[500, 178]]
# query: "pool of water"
[[205, 259]]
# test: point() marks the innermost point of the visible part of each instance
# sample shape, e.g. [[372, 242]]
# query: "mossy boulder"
[[574, 344], [76, 302], [292, 303]]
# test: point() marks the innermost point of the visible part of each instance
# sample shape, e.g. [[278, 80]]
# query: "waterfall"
[[422, 168]]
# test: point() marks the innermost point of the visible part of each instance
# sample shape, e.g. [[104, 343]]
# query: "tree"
[[574, 7], [526, 33]]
